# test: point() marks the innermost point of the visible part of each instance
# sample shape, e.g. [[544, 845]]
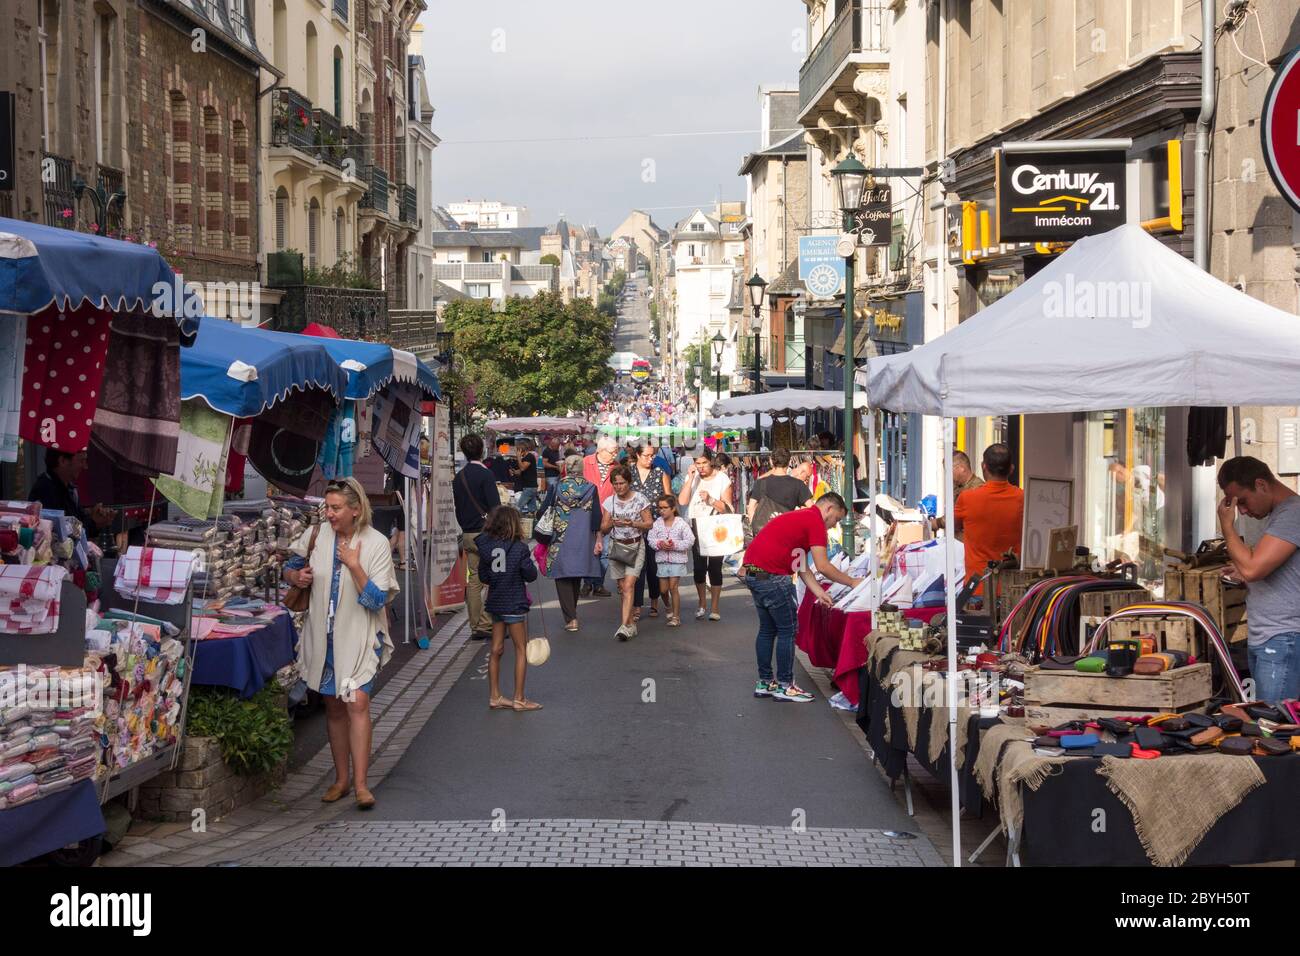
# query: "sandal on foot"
[[335, 793], [674, 622], [365, 799], [715, 616], [654, 612], [501, 703], [571, 626], [523, 705]]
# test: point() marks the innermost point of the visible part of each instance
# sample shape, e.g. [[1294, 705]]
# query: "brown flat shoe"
[[335, 793], [365, 800]]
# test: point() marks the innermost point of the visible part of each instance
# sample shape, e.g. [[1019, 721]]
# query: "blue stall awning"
[[44, 265], [372, 365], [243, 371]]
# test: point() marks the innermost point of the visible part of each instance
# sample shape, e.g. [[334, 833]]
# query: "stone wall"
[[201, 781]]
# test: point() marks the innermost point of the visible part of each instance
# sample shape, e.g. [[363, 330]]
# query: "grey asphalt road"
[[664, 727], [632, 331]]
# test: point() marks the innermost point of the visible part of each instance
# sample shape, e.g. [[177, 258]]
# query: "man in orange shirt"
[[989, 518]]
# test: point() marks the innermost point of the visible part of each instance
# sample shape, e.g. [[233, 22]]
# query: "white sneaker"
[[699, 614], [622, 633]]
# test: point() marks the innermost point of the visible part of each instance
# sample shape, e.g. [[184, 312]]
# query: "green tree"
[[550, 259], [537, 355]]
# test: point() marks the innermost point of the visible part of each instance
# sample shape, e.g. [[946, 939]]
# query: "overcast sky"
[[564, 70]]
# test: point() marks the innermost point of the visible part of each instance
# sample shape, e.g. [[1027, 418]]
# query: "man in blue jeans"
[[777, 553], [1270, 570]]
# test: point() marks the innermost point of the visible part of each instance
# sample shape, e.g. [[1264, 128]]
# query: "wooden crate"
[[1010, 586], [1171, 633], [1054, 715], [1175, 691], [1226, 603], [1102, 604]]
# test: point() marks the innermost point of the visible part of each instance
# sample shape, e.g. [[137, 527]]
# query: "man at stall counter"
[[57, 490], [780, 550], [988, 519], [963, 478], [1270, 570]]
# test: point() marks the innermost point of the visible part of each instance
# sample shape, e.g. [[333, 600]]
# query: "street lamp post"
[[719, 344], [757, 285], [850, 179]]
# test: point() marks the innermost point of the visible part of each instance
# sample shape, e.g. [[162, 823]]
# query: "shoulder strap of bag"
[[472, 499], [311, 545]]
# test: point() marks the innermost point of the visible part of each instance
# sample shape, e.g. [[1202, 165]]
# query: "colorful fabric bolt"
[[159, 575], [29, 598]]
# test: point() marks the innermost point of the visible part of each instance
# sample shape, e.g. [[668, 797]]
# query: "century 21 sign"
[[1059, 196]]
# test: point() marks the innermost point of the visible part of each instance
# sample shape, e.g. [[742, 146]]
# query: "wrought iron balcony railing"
[[291, 120], [861, 27], [376, 196], [60, 199]]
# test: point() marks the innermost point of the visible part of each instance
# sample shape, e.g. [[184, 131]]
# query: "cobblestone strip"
[[400, 710], [591, 843]]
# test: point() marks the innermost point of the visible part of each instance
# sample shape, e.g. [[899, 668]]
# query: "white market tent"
[[730, 422], [787, 400], [1117, 321]]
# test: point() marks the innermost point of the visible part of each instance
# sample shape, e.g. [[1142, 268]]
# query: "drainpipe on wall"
[[1203, 484]]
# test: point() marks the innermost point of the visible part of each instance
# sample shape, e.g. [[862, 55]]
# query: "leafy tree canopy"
[[537, 355]]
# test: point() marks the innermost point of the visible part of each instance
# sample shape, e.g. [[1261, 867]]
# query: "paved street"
[[632, 333], [701, 774]]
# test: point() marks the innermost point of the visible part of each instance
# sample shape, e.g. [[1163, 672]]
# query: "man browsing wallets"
[[782, 549]]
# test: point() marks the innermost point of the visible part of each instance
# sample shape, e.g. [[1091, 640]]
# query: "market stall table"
[[246, 662], [49, 823], [836, 639]]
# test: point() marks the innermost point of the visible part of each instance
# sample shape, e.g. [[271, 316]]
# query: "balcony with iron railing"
[[291, 120], [376, 196], [329, 137], [408, 208], [354, 147], [112, 181], [60, 198], [863, 26]]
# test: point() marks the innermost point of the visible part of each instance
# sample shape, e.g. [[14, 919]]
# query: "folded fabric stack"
[[48, 739], [29, 598], [157, 575], [25, 537], [235, 617]]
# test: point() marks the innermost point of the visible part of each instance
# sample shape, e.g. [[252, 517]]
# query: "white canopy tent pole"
[[950, 579]]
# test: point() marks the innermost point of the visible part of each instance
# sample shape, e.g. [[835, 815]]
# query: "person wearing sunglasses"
[[348, 567], [671, 539], [650, 481], [626, 519]]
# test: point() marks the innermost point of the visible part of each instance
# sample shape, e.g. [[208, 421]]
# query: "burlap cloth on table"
[[1176, 800], [1006, 760], [933, 695]]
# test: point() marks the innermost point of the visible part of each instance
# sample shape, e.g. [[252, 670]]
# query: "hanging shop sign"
[[873, 221], [1280, 129], [7, 152], [1059, 196], [820, 267]]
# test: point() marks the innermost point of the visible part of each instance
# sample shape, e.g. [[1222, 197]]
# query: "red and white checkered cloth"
[[158, 575], [29, 598]]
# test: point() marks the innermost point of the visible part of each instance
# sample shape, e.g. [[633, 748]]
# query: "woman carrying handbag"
[[626, 520]]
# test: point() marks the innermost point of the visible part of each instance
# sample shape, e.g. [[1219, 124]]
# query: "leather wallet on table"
[[1237, 746]]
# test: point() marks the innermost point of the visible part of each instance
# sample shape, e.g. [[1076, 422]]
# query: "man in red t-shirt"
[[777, 553]]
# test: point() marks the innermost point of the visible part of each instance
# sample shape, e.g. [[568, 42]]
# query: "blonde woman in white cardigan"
[[345, 640]]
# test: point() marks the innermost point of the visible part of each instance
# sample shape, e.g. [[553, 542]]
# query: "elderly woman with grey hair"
[[596, 468], [575, 546]]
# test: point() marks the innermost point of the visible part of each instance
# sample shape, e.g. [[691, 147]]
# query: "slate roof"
[[525, 237]]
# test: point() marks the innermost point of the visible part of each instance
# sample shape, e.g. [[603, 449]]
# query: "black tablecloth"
[[1059, 817], [876, 713]]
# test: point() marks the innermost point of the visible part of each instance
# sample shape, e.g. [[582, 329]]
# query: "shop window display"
[[1125, 499]]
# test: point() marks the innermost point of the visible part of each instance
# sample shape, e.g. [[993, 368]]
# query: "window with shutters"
[[281, 219], [313, 233], [340, 227]]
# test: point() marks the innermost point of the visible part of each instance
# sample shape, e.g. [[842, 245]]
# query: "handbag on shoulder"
[[297, 598], [625, 552]]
